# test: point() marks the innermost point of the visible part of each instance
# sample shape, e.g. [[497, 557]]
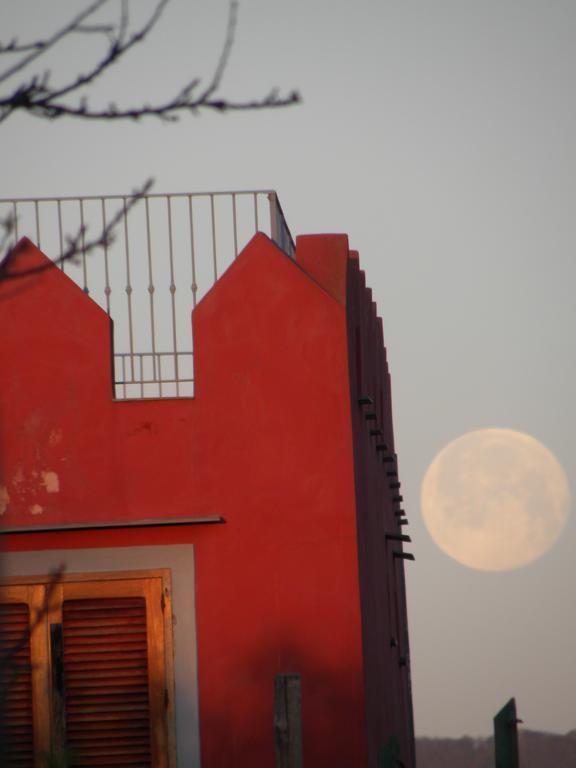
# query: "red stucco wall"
[[266, 443]]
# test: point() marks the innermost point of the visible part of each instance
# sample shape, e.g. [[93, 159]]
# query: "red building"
[[164, 559]]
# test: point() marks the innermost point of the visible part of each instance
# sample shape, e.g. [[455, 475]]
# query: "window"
[[86, 668]]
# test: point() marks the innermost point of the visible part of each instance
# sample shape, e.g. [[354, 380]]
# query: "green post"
[[506, 736]]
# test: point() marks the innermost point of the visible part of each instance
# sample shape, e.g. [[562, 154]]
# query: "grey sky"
[[440, 136]]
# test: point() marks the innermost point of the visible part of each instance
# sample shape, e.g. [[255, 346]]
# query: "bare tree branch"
[[7, 657], [15, 47], [76, 245], [7, 227], [37, 96], [40, 47], [118, 47], [226, 51]]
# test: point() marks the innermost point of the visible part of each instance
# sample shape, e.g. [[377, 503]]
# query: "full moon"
[[495, 499]]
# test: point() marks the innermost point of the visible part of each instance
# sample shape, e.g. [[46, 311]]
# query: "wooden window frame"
[[45, 595]]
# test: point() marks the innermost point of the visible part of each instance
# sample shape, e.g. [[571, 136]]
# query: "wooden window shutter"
[[23, 681], [17, 733], [105, 666], [103, 652]]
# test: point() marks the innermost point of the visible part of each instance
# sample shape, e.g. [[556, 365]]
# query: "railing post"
[[147, 330], [288, 721], [274, 228]]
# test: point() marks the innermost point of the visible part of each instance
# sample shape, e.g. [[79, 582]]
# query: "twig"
[[7, 659], [41, 46], [75, 244], [38, 97]]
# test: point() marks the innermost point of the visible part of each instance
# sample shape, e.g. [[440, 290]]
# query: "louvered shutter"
[[84, 670], [106, 702], [17, 731], [114, 679]]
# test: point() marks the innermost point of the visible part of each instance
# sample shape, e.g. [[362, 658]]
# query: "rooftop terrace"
[[166, 253]]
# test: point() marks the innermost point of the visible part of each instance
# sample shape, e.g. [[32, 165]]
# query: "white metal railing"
[[167, 251]]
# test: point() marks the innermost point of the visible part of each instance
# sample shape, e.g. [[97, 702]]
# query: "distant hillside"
[[537, 750]]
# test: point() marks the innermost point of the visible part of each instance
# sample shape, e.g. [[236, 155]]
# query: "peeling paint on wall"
[[55, 437], [4, 499], [36, 509], [51, 481]]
